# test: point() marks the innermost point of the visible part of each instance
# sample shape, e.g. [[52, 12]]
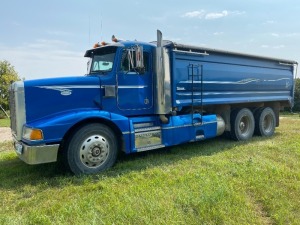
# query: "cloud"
[[202, 14], [213, 16], [218, 33], [58, 33], [274, 46], [292, 35], [275, 35], [44, 58], [194, 14], [264, 46], [278, 46], [269, 22], [285, 35], [47, 44]]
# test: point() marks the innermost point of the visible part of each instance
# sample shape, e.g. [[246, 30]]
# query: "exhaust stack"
[[163, 91]]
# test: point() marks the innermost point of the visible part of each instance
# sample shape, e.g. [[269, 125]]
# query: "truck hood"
[[45, 97]]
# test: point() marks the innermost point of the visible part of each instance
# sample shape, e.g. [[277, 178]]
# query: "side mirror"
[[88, 65], [139, 57], [135, 57]]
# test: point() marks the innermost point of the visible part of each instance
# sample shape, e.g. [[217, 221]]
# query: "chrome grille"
[[12, 108], [17, 108]]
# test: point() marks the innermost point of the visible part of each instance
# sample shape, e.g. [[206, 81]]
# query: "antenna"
[[89, 30], [101, 37]]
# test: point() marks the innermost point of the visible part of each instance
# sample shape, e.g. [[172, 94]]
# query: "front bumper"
[[36, 154]]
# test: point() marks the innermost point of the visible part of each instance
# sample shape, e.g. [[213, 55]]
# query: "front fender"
[[56, 126]]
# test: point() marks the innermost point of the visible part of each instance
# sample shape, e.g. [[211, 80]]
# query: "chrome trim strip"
[[234, 93], [132, 86], [149, 148], [189, 125], [190, 52], [58, 87], [147, 129], [244, 81], [210, 50]]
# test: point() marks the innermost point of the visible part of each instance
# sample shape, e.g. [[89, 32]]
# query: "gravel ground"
[[5, 134]]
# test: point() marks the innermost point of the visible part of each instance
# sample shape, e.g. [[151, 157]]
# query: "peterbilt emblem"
[[66, 92], [63, 91]]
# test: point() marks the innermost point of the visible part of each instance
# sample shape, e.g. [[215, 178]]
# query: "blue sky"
[[49, 38]]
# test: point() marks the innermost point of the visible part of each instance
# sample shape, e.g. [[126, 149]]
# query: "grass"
[[216, 181], [4, 122]]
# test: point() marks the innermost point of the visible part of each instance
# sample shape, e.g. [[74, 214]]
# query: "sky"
[[44, 39]]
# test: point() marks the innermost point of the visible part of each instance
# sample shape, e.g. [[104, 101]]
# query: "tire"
[[91, 149], [242, 124], [265, 122]]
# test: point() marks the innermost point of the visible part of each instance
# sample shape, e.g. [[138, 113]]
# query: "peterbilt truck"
[[139, 96]]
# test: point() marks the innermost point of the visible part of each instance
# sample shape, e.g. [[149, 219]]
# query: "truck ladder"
[[195, 73]]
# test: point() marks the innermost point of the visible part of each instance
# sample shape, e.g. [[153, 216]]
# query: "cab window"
[[128, 64]]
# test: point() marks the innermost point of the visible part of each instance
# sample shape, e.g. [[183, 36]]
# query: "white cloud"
[[269, 22], [275, 35], [44, 58], [194, 14], [218, 33], [274, 46], [43, 44], [292, 35], [213, 16], [202, 14], [58, 32], [278, 46]]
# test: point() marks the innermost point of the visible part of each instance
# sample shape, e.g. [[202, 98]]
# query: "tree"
[[7, 76], [297, 95]]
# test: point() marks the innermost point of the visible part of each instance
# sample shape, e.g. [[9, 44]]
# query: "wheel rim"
[[244, 126], [94, 151], [268, 123]]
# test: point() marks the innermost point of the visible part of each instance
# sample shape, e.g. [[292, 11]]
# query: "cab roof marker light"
[[97, 45]]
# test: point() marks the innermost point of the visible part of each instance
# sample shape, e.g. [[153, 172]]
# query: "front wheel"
[[91, 149], [242, 124]]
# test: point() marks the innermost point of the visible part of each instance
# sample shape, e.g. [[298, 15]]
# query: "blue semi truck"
[[140, 96]]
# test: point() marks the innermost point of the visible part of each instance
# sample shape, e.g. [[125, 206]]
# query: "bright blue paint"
[[56, 105], [185, 128], [228, 78]]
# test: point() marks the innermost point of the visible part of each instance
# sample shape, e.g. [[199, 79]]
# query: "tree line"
[[8, 75]]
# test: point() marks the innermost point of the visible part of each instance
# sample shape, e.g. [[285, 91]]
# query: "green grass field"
[[4, 122], [216, 181]]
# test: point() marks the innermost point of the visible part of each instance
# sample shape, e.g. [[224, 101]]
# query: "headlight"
[[32, 134]]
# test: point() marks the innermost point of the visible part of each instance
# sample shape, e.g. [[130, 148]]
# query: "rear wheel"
[[265, 122], [91, 149], [242, 124]]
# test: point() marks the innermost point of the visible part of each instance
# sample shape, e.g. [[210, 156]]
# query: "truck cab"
[[126, 74]]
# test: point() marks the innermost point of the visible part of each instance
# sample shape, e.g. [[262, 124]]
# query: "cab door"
[[135, 85]]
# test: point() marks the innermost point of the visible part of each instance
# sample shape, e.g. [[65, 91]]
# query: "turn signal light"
[[32, 134], [36, 135]]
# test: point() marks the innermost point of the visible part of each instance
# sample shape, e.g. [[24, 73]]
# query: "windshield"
[[103, 60]]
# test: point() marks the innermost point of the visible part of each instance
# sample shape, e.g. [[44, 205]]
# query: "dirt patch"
[[5, 134]]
